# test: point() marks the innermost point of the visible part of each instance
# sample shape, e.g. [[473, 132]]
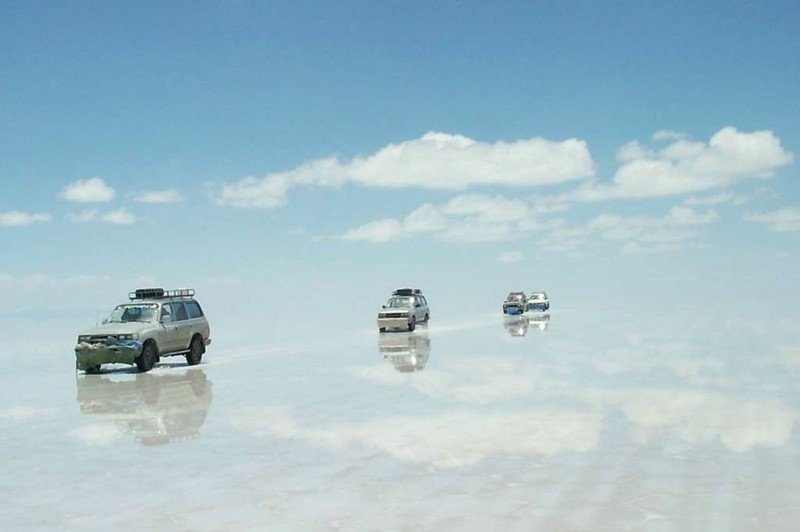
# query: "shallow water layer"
[[558, 420]]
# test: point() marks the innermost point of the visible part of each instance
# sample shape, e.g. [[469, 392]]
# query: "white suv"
[[155, 323], [405, 309]]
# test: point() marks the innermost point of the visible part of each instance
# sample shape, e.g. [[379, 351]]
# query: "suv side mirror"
[[418, 304], [383, 306]]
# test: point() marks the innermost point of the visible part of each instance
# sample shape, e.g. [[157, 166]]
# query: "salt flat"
[[577, 420]]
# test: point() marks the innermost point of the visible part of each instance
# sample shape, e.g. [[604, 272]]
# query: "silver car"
[[405, 309], [154, 323]]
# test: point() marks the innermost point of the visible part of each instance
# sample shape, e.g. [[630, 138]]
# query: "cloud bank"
[[433, 161], [684, 166]]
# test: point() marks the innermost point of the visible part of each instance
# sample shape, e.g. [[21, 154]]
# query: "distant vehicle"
[[154, 324], [538, 301], [407, 352], [515, 303], [405, 309]]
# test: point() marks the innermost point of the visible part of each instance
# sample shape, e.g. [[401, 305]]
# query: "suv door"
[[168, 342], [183, 329]]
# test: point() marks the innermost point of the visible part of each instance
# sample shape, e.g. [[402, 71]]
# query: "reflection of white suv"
[[405, 309], [407, 352]]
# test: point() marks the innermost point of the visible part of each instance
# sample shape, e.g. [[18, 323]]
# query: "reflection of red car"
[[515, 303]]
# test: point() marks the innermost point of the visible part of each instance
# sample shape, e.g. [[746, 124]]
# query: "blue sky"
[[631, 148]]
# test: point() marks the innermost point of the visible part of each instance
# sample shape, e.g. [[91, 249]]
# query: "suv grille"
[[395, 315]]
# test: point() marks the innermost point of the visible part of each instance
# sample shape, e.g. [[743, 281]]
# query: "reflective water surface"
[[547, 421]]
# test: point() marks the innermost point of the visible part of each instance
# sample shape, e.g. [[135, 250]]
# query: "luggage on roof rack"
[[160, 293], [407, 292]]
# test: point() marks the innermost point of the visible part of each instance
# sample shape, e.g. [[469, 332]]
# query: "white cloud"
[[465, 218], [434, 161], [24, 413], [641, 234], [17, 218], [721, 198], [93, 190], [83, 217], [688, 166], [99, 435], [425, 219], [782, 220], [510, 256], [701, 417], [160, 196], [447, 440], [668, 135], [121, 216]]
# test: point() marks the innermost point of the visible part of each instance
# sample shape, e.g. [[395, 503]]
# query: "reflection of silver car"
[[153, 408], [404, 310], [407, 352], [155, 323], [519, 325]]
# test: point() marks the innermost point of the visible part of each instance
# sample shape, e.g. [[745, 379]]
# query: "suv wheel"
[[195, 354], [147, 359], [427, 317], [412, 324]]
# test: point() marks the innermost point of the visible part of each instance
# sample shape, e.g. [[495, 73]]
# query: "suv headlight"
[[126, 337], [84, 338]]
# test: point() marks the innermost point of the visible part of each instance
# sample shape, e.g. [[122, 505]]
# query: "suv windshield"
[[514, 297], [127, 313], [399, 302]]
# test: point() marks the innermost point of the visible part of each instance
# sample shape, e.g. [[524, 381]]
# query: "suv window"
[[179, 312], [166, 314], [194, 310], [424, 301]]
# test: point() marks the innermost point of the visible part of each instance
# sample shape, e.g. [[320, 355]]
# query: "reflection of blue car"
[[538, 301]]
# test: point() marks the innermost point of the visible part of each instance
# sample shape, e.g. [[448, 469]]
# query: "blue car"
[[515, 303]]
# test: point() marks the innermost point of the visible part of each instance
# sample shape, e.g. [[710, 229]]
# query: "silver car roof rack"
[[160, 293]]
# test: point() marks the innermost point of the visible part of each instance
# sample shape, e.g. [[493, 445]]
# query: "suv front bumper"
[[394, 323], [88, 356]]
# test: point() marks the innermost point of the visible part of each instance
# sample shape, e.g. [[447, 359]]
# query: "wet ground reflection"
[[518, 325], [408, 352], [601, 422], [154, 408]]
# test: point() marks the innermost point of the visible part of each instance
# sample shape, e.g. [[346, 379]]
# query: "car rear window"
[[194, 310]]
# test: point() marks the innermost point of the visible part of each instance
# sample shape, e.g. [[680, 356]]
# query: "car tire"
[[412, 325], [195, 354], [381, 329], [427, 317], [93, 370], [147, 359]]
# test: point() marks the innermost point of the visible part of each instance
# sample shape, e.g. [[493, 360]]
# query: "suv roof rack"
[[160, 293], [407, 292]]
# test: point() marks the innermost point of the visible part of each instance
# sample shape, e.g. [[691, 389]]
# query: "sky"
[[295, 159]]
